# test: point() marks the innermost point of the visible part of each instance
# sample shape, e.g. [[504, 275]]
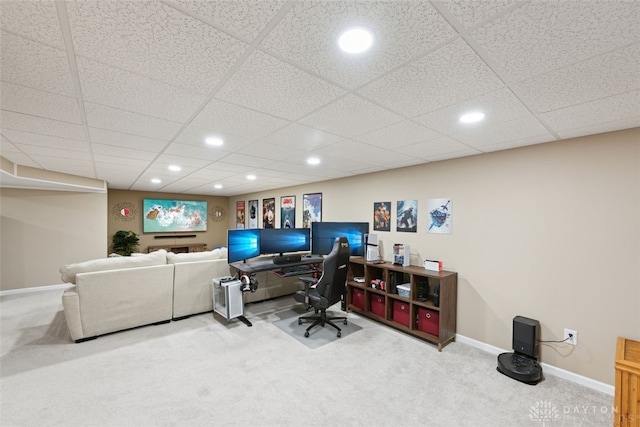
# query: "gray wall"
[[43, 230], [550, 231]]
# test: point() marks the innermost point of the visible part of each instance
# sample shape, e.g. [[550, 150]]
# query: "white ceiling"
[[119, 90]]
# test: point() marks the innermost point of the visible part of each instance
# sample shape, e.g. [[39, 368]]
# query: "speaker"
[[526, 335], [286, 259]]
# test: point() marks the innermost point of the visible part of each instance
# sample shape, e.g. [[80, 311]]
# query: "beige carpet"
[[205, 372]]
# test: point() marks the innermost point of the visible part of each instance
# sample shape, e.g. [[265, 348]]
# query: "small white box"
[[404, 290]]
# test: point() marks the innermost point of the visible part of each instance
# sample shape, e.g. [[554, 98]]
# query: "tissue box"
[[404, 290]]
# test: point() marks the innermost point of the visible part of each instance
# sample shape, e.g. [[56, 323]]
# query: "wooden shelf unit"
[[178, 248], [417, 314], [627, 389]]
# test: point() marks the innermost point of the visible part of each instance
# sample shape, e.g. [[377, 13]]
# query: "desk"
[[252, 267]]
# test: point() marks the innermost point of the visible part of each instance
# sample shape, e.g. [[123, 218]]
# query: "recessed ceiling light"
[[214, 141], [156, 181], [218, 186], [251, 177], [355, 40], [313, 161], [473, 117], [175, 168]]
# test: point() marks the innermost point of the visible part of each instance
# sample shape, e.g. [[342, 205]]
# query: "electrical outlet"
[[571, 336]]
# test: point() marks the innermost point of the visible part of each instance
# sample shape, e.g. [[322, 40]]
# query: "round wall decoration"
[[124, 211], [218, 213]]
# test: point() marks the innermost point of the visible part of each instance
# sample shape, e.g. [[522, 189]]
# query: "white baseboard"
[[548, 369], [34, 289]]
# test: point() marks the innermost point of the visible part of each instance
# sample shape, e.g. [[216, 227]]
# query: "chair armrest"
[[309, 282]]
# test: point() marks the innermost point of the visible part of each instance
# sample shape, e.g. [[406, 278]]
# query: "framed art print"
[[382, 216], [440, 211], [253, 214], [407, 216], [269, 213], [240, 214], [311, 209], [288, 212]]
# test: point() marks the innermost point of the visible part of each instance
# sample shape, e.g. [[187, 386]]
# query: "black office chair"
[[329, 288]]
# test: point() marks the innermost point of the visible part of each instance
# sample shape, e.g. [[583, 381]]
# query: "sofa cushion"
[[69, 271], [196, 256]]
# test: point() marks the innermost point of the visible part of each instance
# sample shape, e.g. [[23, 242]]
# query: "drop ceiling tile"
[[108, 118], [35, 65], [187, 163], [585, 29], [472, 13], [60, 153], [351, 116], [229, 119], [32, 124], [273, 151], [205, 153], [499, 106], [308, 35], [603, 127], [21, 99], [186, 184], [19, 158], [125, 140], [245, 18], [514, 130], [120, 152], [435, 147], [37, 20], [596, 78], [21, 139], [397, 135], [76, 168], [153, 40], [246, 160], [624, 107], [447, 76], [302, 138], [124, 90], [267, 84], [103, 160]]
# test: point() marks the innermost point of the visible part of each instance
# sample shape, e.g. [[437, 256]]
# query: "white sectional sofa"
[[112, 294]]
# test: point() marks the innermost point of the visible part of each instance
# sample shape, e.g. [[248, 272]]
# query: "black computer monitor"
[[282, 240], [243, 244], [324, 233]]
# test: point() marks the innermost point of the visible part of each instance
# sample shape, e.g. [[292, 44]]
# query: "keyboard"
[[299, 270]]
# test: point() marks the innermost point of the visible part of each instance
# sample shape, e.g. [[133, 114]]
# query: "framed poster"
[[253, 214], [382, 216], [407, 216], [288, 212], [311, 209], [440, 211], [240, 214], [269, 213]]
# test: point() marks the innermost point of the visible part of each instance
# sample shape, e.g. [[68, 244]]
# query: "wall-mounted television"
[[170, 216], [243, 244], [323, 235], [282, 240]]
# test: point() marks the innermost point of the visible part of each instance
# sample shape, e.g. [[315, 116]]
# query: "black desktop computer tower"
[[526, 335]]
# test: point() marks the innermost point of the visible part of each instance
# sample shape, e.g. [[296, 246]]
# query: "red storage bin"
[[429, 321], [357, 298], [401, 312], [377, 305]]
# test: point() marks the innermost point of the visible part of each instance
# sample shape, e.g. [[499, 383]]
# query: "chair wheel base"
[[306, 334]]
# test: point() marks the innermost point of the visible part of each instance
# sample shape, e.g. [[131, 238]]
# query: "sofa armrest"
[[71, 306], [192, 286]]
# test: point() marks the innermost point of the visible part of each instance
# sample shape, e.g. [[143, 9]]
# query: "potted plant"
[[125, 242]]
